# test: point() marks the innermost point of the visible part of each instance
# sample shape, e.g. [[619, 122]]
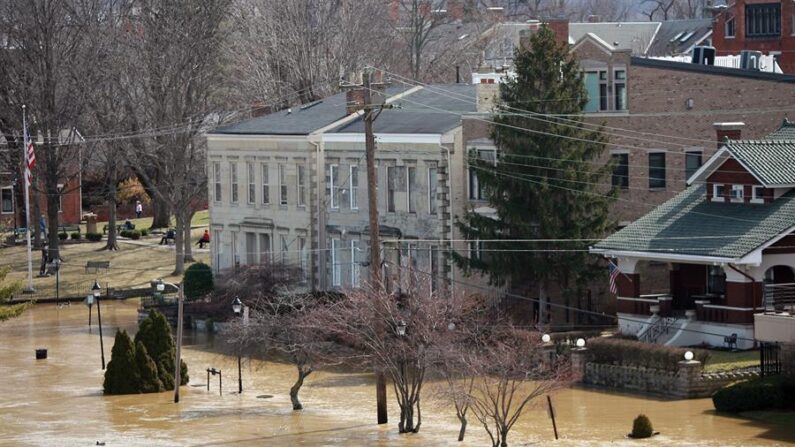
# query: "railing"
[[659, 328], [779, 297]]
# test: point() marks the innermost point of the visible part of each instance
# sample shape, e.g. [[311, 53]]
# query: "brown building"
[[760, 25]]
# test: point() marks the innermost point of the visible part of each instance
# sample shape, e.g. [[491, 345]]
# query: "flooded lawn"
[[59, 401]]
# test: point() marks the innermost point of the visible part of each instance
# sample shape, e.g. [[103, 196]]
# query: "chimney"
[[260, 109], [593, 18], [354, 96], [455, 9], [487, 94], [496, 13], [561, 29], [730, 131]]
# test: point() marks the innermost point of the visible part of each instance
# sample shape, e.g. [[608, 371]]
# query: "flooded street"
[[59, 401]]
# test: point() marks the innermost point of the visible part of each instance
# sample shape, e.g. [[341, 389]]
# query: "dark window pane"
[[692, 163], [763, 20], [657, 170], [621, 170]]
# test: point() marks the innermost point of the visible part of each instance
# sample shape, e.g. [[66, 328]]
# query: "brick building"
[[761, 25]]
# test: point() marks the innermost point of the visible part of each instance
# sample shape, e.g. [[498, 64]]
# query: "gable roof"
[[770, 161], [634, 36], [679, 36], [785, 132], [689, 225]]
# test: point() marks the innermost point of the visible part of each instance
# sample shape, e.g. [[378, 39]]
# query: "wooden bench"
[[96, 265], [119, 228], [169, 237], [68, 228]]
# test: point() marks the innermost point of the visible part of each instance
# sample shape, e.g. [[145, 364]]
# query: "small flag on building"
[[30, 157], [614, 272]]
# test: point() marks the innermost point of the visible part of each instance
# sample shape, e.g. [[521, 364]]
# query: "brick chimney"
[[455, 9], [354, 96], [260, 109], [731, 131], [561, 29], [487, 93]]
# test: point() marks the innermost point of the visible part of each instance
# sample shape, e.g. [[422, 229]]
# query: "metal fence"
[[779, 297]]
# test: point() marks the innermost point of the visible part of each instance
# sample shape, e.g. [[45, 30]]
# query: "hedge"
[[94, 237], [198, 280], [144, 232], [75, 236], [615, 351], [131, 234], [767, 393], [63, 236]]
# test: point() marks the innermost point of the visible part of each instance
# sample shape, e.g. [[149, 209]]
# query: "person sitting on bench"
[[170, 234], [128, 225], [205, 239]]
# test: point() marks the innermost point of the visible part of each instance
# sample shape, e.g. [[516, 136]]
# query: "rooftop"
[[635, 36], [770, 161], [678, 36]]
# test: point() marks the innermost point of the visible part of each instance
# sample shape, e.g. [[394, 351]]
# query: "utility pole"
[[178, 367]]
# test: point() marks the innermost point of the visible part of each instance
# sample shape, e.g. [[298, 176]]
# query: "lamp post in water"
[[96, 289], [160, 286], [237, 308]]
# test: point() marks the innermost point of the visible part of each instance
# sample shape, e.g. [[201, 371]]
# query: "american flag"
[[30, 157], [614, 272]]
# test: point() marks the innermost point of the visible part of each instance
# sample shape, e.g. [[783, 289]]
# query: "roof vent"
[[750, 60], [703, 56]]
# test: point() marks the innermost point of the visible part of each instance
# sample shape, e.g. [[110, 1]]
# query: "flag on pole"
[[30, 156], [614, 272]]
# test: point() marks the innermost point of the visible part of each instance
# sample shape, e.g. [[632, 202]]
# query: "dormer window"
[[758, 194], [718, 193], [738, 192]]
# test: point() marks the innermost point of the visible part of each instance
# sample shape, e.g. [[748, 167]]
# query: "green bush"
[[94, 237], [75, 236], [121, 375], [641, 427], [63, 236], [135, 234], [198, 280], [124, 233], [146, 370], [615, 351], [144, 232], [768, 393], [155, 334]]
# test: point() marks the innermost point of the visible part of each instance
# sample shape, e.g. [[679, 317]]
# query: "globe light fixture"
[[689, 355], [160, 286], [96, 289], [237, 306], [546, 338], [401, 328], [580, 342]]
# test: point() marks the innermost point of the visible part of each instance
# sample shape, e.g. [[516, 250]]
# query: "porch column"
[[742, 297], [628, 285]]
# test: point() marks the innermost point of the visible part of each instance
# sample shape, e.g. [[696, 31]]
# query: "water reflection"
[[59, 401]]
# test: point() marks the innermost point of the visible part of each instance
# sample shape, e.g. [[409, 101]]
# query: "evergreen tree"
[[121, 375], [155, 334], [547, 182], [146, 370]]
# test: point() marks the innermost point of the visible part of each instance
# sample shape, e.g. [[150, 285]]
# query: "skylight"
[[687, 36], [677, 37]]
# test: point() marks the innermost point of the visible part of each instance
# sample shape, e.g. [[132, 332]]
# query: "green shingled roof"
[[785, 132], [689, 225], [771, 161]]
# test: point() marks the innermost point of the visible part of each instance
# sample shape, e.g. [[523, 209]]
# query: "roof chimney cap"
[[729, 125]]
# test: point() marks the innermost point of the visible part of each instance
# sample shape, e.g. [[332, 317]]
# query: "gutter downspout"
[[450, 207], [753, 288]]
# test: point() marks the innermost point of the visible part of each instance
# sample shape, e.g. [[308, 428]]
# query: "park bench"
[[96, 265], [730, 341], [169, 237], [68, 228], [119, 228]]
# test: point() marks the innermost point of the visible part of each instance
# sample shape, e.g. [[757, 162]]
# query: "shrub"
[[155, 334], [75, 236], [124, 233], [94, 237], [615, 351], [62, 236], [641, 427], [144, 232], [121, 376], [766, 393], [135, 234], [146, 370], [198, 280]]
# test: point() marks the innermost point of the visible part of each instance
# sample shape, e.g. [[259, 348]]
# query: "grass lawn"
[[728, 360], [200, 219]]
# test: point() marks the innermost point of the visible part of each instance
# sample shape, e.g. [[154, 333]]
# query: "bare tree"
[[415, 23], [674, 9]]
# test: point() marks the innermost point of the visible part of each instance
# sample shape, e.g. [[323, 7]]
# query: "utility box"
[[91, 223]]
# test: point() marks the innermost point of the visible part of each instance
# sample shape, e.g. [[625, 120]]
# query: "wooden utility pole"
[[375, 241]]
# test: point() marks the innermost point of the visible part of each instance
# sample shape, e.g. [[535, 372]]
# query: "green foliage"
[[546, 183], [768, 393], [121, 375], [131, 234], [75, 235], [641, 427], [198, 280], [94, 237], [144, 232], [63, 236], [7, 288], [616, 351], [8, 312], [146, 370], [155, 334]]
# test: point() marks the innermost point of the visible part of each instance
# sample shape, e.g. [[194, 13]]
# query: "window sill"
[[657, 189], [718, 199], [758, 201], [735, 200], [729, 37]]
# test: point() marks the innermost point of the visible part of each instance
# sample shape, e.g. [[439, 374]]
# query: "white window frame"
[[432, 203], [726, 34], [757, 194], [718, 197], [234, 195], [473, 183], [252, 183], [355, 268], [283, 199], [336, 272], [217, 193], [616, 83], [354, 186], [411, 207], [738, 198], [333, 188], [266, 190], [391, 190], [300, 180], [11, 211]]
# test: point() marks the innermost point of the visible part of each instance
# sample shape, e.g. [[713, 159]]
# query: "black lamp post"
[[237, 308], [96, 289]]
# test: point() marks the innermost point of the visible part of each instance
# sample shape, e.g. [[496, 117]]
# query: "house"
[[726, 241], [291, 186], [766, 26]]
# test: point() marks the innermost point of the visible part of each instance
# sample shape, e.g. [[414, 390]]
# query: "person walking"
[[139, 209]]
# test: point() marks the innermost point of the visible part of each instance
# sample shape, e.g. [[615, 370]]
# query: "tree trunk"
[[161, 215], [179, 244], [112, 243], [302, 374], [188, 246], [463, 429]]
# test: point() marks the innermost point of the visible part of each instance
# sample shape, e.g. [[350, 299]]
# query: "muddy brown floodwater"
[[59, 402]]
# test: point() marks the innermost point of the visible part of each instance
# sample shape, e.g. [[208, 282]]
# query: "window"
[[7, 200], [233, 180], [282, 186], [603, 96], [217, 181], [353, 178], [266, 192], [475, 249], [620, 90], [620, 170], [432, 190], [355, 267], [284, 248], [729, 30], [251, 248], [411, 178], [233, 245], [264, 248], [217, 244], [252, 183], [434, 268], [334, 189], [738, 192], [758, 194], [657, 170], [390, 189], [336, 272], [718, 193], [592, 90], [763, 20], [716, 280], [692, 163], [476, 190], [301, 176], [303, 261]]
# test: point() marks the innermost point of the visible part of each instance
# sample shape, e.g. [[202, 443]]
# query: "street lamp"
[[546, 338], [96, 290], [160, 286], [689, 355], [237, 307], [580, 343], [401, 328]]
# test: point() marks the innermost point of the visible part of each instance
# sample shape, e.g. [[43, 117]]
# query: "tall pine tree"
[[548, 182]]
